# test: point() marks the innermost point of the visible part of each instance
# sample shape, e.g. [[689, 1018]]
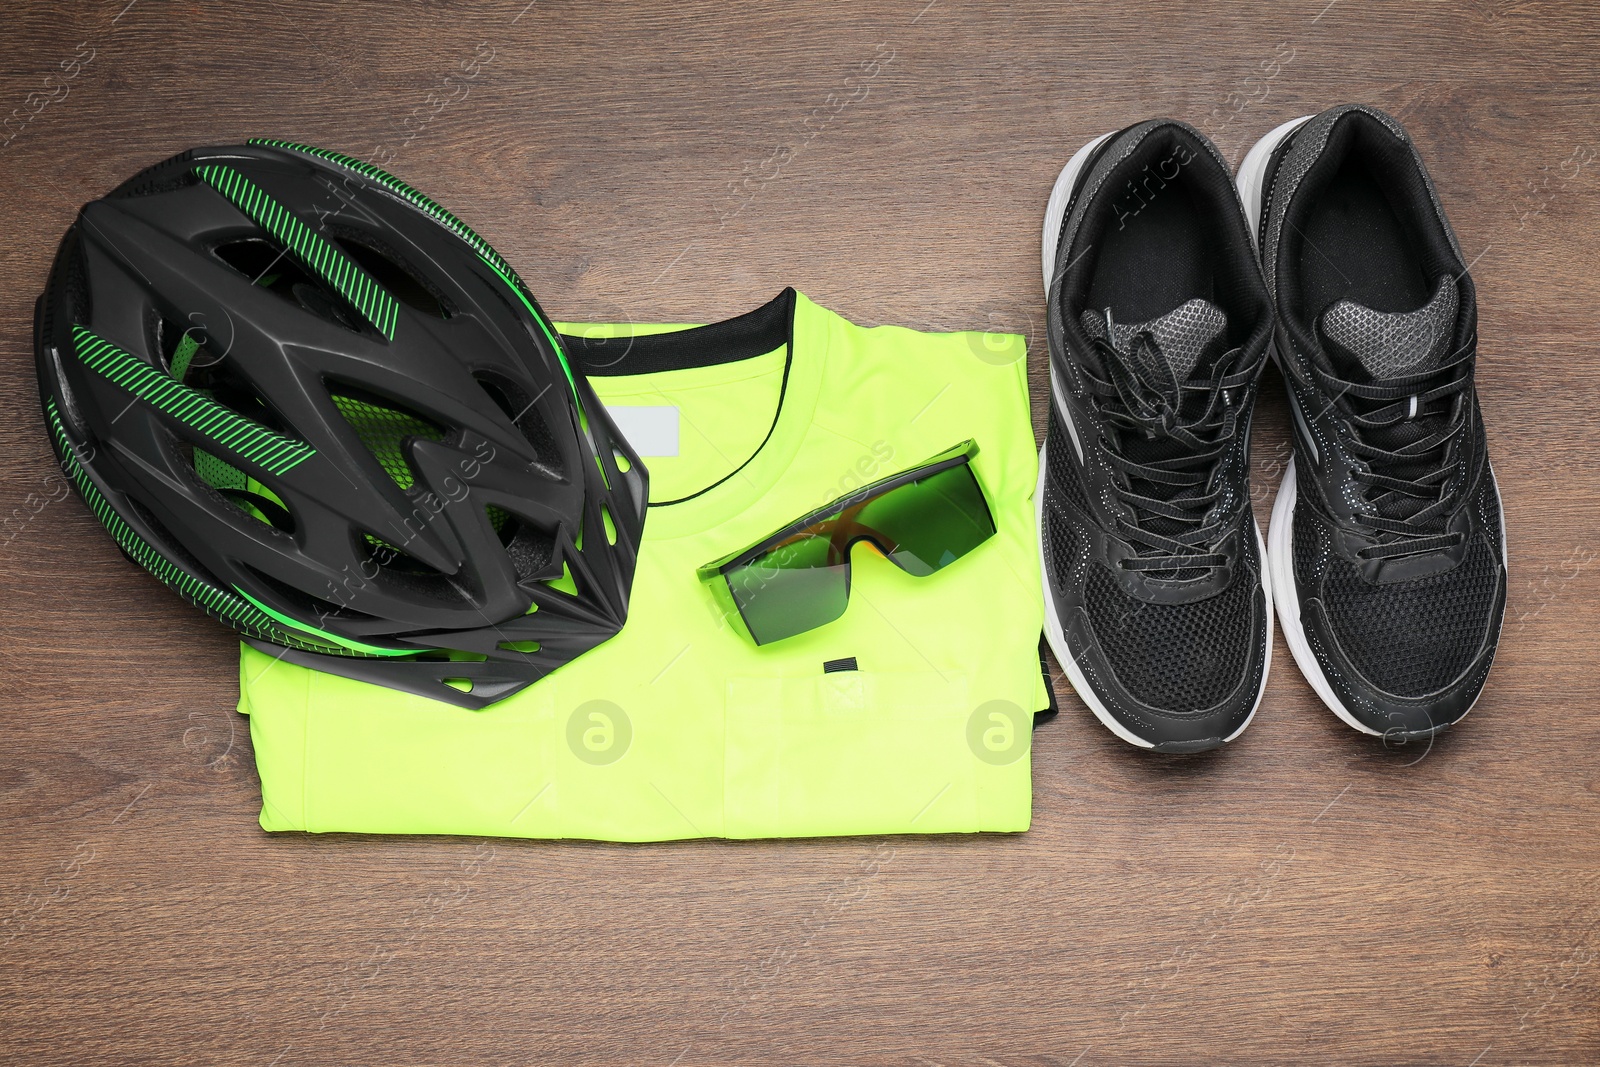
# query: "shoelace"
[[1148, 399], [1436, 392]]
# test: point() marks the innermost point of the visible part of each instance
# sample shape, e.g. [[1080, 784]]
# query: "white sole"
[[1250, 180], [1054, 214], [1281, 563]]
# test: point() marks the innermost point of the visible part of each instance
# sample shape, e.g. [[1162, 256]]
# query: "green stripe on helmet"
[[319, 255], [235, 610], [215, 602], [271, 451], [428, 207]]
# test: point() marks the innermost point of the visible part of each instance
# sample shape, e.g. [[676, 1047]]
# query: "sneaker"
[[1159, 323], [1388, 547]]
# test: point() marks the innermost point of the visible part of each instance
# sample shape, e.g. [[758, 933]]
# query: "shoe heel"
[[1055, 211], [1248, 180]]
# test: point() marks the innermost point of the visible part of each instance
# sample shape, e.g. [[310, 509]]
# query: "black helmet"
[[324, 411]]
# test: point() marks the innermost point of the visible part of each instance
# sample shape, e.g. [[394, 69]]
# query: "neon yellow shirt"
[[680, 726]]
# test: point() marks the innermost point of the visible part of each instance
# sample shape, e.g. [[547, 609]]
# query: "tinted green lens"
[[804, 581], [791, 588], [930, 523]]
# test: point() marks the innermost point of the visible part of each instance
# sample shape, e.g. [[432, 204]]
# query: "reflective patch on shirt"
[[651, 430]]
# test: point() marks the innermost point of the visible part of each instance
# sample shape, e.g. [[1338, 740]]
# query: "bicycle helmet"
[[321, 409]]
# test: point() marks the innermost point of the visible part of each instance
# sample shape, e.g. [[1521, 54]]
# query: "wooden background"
[[1304, 895]]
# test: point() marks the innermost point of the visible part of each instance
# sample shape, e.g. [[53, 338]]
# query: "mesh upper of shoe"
[[1171, 657], [1411, 638]]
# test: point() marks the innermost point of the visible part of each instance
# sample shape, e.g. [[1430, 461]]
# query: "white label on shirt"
[[652, 430]]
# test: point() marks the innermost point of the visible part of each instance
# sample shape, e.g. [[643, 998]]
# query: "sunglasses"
[[798, 578]]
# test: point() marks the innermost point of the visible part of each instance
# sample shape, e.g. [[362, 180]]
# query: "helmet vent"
[[531, 549], [272, 267], [182, 348], [69, 401], [149, 529], [500, 519], [390, 270], [384, 427], [254, 498], [521, 410], [566, 583], [188, 356], [396, 573]]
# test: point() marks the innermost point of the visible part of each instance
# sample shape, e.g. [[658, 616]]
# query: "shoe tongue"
[[1188, 336], [1183, 334], [1392, 344]]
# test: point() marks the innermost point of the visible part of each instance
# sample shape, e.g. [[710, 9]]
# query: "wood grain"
[[1304, 895]]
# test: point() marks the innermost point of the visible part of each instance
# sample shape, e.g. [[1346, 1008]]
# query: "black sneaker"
[[1388, 548], [1159, 323]]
